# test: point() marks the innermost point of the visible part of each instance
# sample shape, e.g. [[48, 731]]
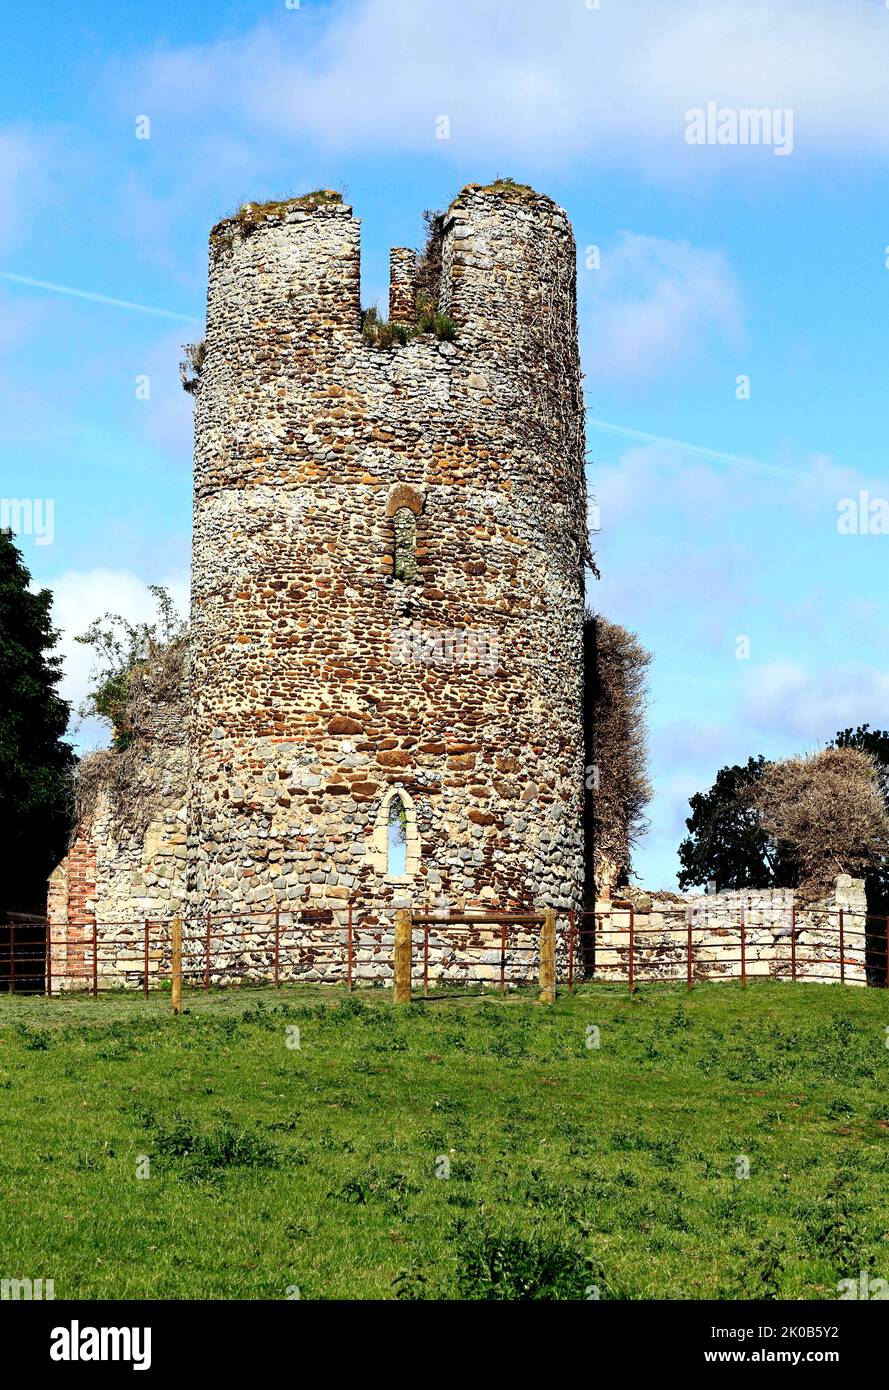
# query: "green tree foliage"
[[35, 764], [121, 646], [726, 844]]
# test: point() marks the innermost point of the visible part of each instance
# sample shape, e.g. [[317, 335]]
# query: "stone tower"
[[389, 543]]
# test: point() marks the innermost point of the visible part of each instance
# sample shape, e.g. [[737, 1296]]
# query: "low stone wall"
[[313, 949], [782, 939]]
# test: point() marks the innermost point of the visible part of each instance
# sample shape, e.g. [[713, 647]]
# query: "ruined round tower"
[[389, 543]]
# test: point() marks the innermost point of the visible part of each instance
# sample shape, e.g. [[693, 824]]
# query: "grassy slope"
[[570, 1166]]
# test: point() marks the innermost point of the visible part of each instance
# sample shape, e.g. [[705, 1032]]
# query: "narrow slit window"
[[396, 855], [405, 559]]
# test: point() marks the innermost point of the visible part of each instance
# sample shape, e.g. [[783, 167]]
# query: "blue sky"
[[718, 515]]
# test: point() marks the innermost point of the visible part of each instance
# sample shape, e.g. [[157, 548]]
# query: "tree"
[[876, 742], [727, 843], [730, 845], [618, 789], [35, 763], [123, 651], [829, 810]]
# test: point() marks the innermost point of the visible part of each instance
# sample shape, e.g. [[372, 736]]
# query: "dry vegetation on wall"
[[617, 782], [190, 369], [155, 713], [828, 809], [427, 283], [139, 688], [252, 215]]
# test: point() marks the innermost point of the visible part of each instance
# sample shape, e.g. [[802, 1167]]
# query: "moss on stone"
[[253, 215], [505, 188]]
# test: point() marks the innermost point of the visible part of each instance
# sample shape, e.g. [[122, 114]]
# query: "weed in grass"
[[507, 1265]]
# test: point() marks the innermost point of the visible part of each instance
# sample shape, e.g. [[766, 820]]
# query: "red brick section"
[[71, 908]]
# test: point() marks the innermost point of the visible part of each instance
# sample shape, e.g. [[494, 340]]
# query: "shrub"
[[506, 1266]]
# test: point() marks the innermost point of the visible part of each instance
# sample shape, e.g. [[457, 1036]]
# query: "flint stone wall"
[[661, 935], [322, 682]]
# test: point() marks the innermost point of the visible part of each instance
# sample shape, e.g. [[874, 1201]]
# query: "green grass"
[[273, 1167]]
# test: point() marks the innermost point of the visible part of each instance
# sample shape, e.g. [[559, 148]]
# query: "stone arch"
[[378, 851], [403, 495]]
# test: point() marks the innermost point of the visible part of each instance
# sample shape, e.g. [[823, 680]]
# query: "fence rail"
[[828, 945], [359, 945]]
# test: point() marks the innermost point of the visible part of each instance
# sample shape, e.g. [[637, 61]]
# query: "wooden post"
[[402, 956], [842, 949], [145, 962], [688, 922], [95, 958], [743, 951], [207, 957], [177, 965], [548, 957], [49, 959], [502, 957], [277, 948]]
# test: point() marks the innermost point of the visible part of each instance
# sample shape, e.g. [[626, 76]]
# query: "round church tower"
[[389, 540]]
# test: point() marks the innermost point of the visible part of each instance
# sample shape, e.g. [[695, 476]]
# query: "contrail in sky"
[[715, 455], [97, 298]]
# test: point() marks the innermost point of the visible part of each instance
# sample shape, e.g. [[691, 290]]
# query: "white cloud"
[[654, 305], [542, 82], [81, 596], [29, 180], [784, 700]]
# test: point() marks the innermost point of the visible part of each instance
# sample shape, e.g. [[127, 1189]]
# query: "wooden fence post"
[[177, 965], [548, 957], [402, 957]]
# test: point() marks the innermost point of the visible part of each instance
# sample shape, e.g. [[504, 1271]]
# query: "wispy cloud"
[[537, 82], [96, 297], [654, 306]]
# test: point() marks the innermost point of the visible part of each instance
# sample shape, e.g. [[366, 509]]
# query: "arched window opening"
[[405, 558], [396, 847]]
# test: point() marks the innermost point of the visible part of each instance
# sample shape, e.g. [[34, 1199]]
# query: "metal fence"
[[358, 945], [826, 945]]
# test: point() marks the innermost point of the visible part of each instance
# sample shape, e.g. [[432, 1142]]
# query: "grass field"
[[471, 1147]]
